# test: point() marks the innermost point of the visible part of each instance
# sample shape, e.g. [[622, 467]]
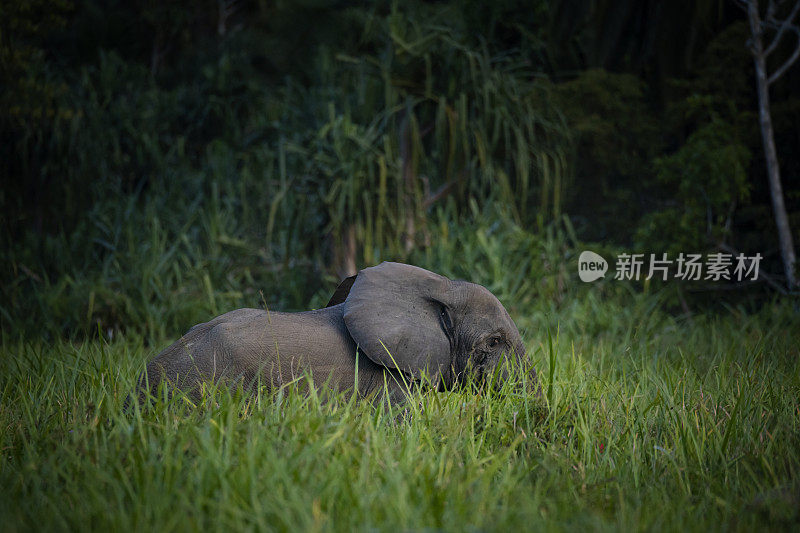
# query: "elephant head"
[[407, 318]]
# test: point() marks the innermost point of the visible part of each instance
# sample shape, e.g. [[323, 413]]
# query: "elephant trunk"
[[518, 369]]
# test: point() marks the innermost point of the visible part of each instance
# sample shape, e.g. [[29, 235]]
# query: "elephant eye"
[[494, 341], [444, 316]]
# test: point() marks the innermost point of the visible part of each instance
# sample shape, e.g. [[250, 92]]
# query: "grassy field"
[[645, 422], [147, 195]]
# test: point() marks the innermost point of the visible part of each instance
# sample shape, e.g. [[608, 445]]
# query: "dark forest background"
[[166, 160]]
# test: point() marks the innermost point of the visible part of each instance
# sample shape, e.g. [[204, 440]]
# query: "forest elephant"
[[384, 329]]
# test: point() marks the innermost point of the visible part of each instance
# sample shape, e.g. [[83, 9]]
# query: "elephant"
[[387, 328]]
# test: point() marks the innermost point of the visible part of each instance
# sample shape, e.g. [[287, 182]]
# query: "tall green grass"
[[165, 200], [165, 204], [656, 424]]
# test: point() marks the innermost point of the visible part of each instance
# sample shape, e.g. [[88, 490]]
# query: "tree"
[[758, 30]]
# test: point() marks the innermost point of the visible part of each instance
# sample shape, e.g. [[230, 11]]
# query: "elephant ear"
[[341, 292], [393, 314]]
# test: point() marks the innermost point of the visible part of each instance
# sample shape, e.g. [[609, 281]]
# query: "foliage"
[[208, 192], [709, 175], [705, 179], [673, 425], [165, 162], [189, 158], [617, 137]]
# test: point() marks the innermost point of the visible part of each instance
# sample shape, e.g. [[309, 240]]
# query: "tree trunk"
[[770, 153]]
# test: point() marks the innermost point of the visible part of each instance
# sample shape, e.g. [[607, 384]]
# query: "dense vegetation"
[[167, 161], [645, 422], [164, 162]]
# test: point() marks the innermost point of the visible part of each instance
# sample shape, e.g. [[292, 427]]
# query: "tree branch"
[[778, 73], [770, 10], [443, 191], [786, 24], [742, 4], [761, 274]]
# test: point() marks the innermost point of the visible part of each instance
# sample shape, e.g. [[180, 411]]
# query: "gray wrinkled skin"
[[409, 324]]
